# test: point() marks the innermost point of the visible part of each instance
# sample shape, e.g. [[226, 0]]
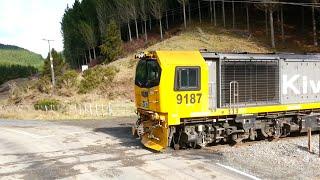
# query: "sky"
[[26, 22]]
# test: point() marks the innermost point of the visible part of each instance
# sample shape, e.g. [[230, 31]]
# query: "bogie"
[[203, 133]]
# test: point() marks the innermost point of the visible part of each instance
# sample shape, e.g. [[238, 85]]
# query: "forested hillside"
[[95, 29], [14, 55], [16, 62]]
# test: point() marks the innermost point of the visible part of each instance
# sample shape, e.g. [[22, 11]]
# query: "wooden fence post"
[[309, 140], [109, 109], [90, 106], [102, 110]]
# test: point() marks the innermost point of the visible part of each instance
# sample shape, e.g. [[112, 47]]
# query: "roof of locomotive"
[[180, 58], [260, 56]]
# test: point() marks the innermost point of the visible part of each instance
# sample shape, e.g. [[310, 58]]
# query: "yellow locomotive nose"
[[160, 101], [152, 130]]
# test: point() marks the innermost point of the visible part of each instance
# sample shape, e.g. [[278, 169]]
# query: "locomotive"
[[189, 99]]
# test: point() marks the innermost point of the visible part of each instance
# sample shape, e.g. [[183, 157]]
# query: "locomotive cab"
[[168, 87]]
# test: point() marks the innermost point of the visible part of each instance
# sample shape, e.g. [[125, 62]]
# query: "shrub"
[[58, 64], [95, 77], [112, 43], [68, 79], [47, 104], [44, 85], [15, 95]]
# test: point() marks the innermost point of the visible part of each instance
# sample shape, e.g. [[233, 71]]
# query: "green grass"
[[12, 55]]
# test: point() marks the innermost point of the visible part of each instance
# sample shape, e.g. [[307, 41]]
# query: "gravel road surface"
[[105, 149], [94, 150]]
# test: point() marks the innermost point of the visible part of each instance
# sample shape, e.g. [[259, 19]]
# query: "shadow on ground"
[[123, 133]]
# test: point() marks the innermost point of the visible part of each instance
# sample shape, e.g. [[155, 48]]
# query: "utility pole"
[[51, 62]]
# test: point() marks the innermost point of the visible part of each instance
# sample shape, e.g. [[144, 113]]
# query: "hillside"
[[121, 91], [15, 55], [194, 38]]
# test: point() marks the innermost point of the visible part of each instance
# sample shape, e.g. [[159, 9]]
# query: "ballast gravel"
[[287, 158]]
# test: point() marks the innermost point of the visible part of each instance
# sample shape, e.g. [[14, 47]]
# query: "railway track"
[[220, 147]]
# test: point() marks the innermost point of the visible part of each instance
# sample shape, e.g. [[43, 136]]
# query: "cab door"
[[188, 91], [147, 82], [141, 92]]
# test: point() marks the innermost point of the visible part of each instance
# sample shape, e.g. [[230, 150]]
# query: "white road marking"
[[238, 171]]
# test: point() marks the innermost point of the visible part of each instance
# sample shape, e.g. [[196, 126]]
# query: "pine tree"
[[269, 6], [58, 64], [112, 44], [157, 8], [184, 2]]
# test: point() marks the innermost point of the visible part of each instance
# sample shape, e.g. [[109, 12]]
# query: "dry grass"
[[194, 38], [70, 111], [212, 39]]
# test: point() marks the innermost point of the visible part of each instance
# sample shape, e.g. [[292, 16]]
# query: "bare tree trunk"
[[248, 18], [223, 14], [302, 19], [266, 21], [211, 16], [167, 20], [315, 41], [129, 29], [90, 57], [85, 56], [215, 13], [273, 44], [145, 30], [233, 16], [199, 6], [150, 23], [161, 34], [282, 25], [278, 21], [137, 30], [78, 63], [142, 26], [94, 53], [184, 14], [173, 18], [189, 6]]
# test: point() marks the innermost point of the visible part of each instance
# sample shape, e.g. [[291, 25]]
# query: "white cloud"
[[26, 23]]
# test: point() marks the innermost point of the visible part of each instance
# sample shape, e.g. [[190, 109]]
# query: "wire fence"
[[85, 109], [108, 109]]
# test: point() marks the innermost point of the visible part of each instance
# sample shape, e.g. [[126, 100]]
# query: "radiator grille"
[[258, 82]]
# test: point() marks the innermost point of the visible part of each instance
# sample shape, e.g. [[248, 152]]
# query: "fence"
[[108, 109], [75, 110]]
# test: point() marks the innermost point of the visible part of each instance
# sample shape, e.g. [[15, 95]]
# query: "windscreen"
[[148, 73]]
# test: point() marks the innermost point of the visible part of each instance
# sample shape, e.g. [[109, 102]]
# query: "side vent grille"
[[258, 82]]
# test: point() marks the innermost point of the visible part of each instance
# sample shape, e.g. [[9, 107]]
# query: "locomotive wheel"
[[237, 138]]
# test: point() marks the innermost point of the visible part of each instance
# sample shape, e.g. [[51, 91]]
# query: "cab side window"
[[187, 79]]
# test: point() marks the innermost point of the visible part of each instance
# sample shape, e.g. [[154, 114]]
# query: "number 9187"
[[189, 98]]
